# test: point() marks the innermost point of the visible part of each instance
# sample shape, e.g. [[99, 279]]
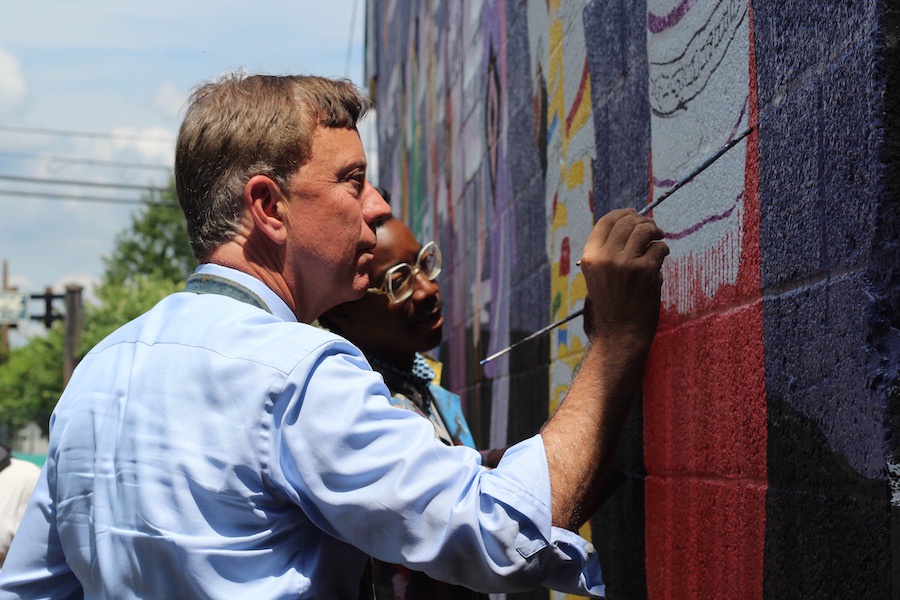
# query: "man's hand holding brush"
[[621, 263]]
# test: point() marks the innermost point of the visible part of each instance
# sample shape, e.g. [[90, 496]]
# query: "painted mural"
[[448, 170], [507, 127], [701, 90], [561, 82]]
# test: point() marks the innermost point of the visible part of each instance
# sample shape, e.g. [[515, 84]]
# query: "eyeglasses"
[[400, 280]]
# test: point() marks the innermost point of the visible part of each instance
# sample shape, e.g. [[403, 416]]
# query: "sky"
[[93, 92]]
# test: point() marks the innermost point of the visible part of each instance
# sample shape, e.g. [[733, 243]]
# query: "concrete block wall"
[[762, 461]]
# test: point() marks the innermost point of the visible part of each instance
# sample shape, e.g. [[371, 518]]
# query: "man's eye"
[[399, 277]]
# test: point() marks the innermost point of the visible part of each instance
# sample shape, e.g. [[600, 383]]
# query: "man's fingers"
[[632, 234], [626, 233], [607, 222], [642, 235], [657, 252]]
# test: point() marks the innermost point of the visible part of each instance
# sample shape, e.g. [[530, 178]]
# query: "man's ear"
[[264, 201]]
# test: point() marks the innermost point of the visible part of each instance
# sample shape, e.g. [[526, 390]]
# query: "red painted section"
[[705, 431], [704, 399], [565, 257], [706, 538], [579, 96]]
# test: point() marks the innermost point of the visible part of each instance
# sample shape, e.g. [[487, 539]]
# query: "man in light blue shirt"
[[220, 447]]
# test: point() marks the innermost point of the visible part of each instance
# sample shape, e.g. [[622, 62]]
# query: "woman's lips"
[[430, 317]]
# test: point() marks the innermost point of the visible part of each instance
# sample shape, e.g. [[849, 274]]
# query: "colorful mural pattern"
[[560, 72], [704, 398], [753, 447]]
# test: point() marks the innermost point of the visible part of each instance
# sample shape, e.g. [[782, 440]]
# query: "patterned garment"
[[418, 390]]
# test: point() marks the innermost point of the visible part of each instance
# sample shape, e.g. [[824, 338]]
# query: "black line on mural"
[[492, 112], [539, 110], [676, 82], [681, 182]]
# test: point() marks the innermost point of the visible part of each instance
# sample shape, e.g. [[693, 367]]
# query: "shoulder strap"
[[205, 283]]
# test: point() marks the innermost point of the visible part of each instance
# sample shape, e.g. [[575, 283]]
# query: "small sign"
[[13, 307]]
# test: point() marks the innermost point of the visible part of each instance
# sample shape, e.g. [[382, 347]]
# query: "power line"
[[86, 161], [77, 198], [124, 186], [89, 134]]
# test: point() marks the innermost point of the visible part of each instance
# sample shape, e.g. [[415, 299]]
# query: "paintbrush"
[[678, 184]]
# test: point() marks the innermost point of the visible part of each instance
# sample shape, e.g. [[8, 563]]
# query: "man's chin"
[[360, 286]]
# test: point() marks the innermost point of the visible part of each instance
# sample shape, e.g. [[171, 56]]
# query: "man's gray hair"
[[240, 126]]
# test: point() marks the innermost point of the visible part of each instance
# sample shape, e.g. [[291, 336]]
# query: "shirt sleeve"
[[37, 575], [375, 477]]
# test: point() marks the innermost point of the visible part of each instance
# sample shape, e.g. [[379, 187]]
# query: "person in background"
[[220, 446], [394, 324], [17, 480]]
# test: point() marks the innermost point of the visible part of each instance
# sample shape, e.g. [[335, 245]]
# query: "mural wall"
[[759, 463]]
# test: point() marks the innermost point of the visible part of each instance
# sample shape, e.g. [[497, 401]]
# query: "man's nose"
[[375, 209]]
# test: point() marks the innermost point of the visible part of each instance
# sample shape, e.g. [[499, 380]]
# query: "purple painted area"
[[711, 219], [740, 119], [657, 23]]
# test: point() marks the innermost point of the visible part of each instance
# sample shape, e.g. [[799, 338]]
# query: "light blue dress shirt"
[[210, 449]]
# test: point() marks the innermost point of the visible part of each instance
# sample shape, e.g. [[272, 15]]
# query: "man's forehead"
[[333, 154], [338, 144]]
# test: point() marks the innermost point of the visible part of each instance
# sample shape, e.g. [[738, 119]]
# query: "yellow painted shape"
[[575, 174], [583, 112], [560, 216], [578, 289], [585, 531]]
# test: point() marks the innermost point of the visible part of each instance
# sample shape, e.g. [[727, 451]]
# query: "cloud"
[[155, 145], [88, 284], [13, 89], [169, 100]]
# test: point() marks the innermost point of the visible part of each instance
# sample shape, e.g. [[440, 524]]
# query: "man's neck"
[[240, 257]]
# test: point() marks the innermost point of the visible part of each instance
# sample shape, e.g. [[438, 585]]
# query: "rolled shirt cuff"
[[567, 562]]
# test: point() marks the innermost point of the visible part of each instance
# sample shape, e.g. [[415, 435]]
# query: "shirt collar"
[[278, 306]]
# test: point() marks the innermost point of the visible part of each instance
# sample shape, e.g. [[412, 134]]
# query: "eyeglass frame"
[[415, 270]]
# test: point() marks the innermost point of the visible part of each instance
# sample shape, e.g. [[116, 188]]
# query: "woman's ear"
[[265, 201]]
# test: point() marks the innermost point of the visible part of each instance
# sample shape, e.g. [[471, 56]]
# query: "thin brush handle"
[[700, 168], [678, 184], [537, 333]]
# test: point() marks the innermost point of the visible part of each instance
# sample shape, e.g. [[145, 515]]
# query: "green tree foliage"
[[156, 245], [150, 260], [31, 381]]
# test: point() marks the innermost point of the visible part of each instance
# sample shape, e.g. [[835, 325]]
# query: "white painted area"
[[699, 87]]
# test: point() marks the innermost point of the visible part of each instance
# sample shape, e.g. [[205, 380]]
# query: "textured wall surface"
[[763, 460]]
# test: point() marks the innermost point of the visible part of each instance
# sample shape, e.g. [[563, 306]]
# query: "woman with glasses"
[[398, 320]]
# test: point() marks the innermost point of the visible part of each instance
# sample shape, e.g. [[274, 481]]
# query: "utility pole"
[[73, 322], [5, 327], [13, 307], [49, 316], [73, 329]]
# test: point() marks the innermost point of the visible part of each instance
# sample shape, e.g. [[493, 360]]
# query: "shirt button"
[[590, 548]]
